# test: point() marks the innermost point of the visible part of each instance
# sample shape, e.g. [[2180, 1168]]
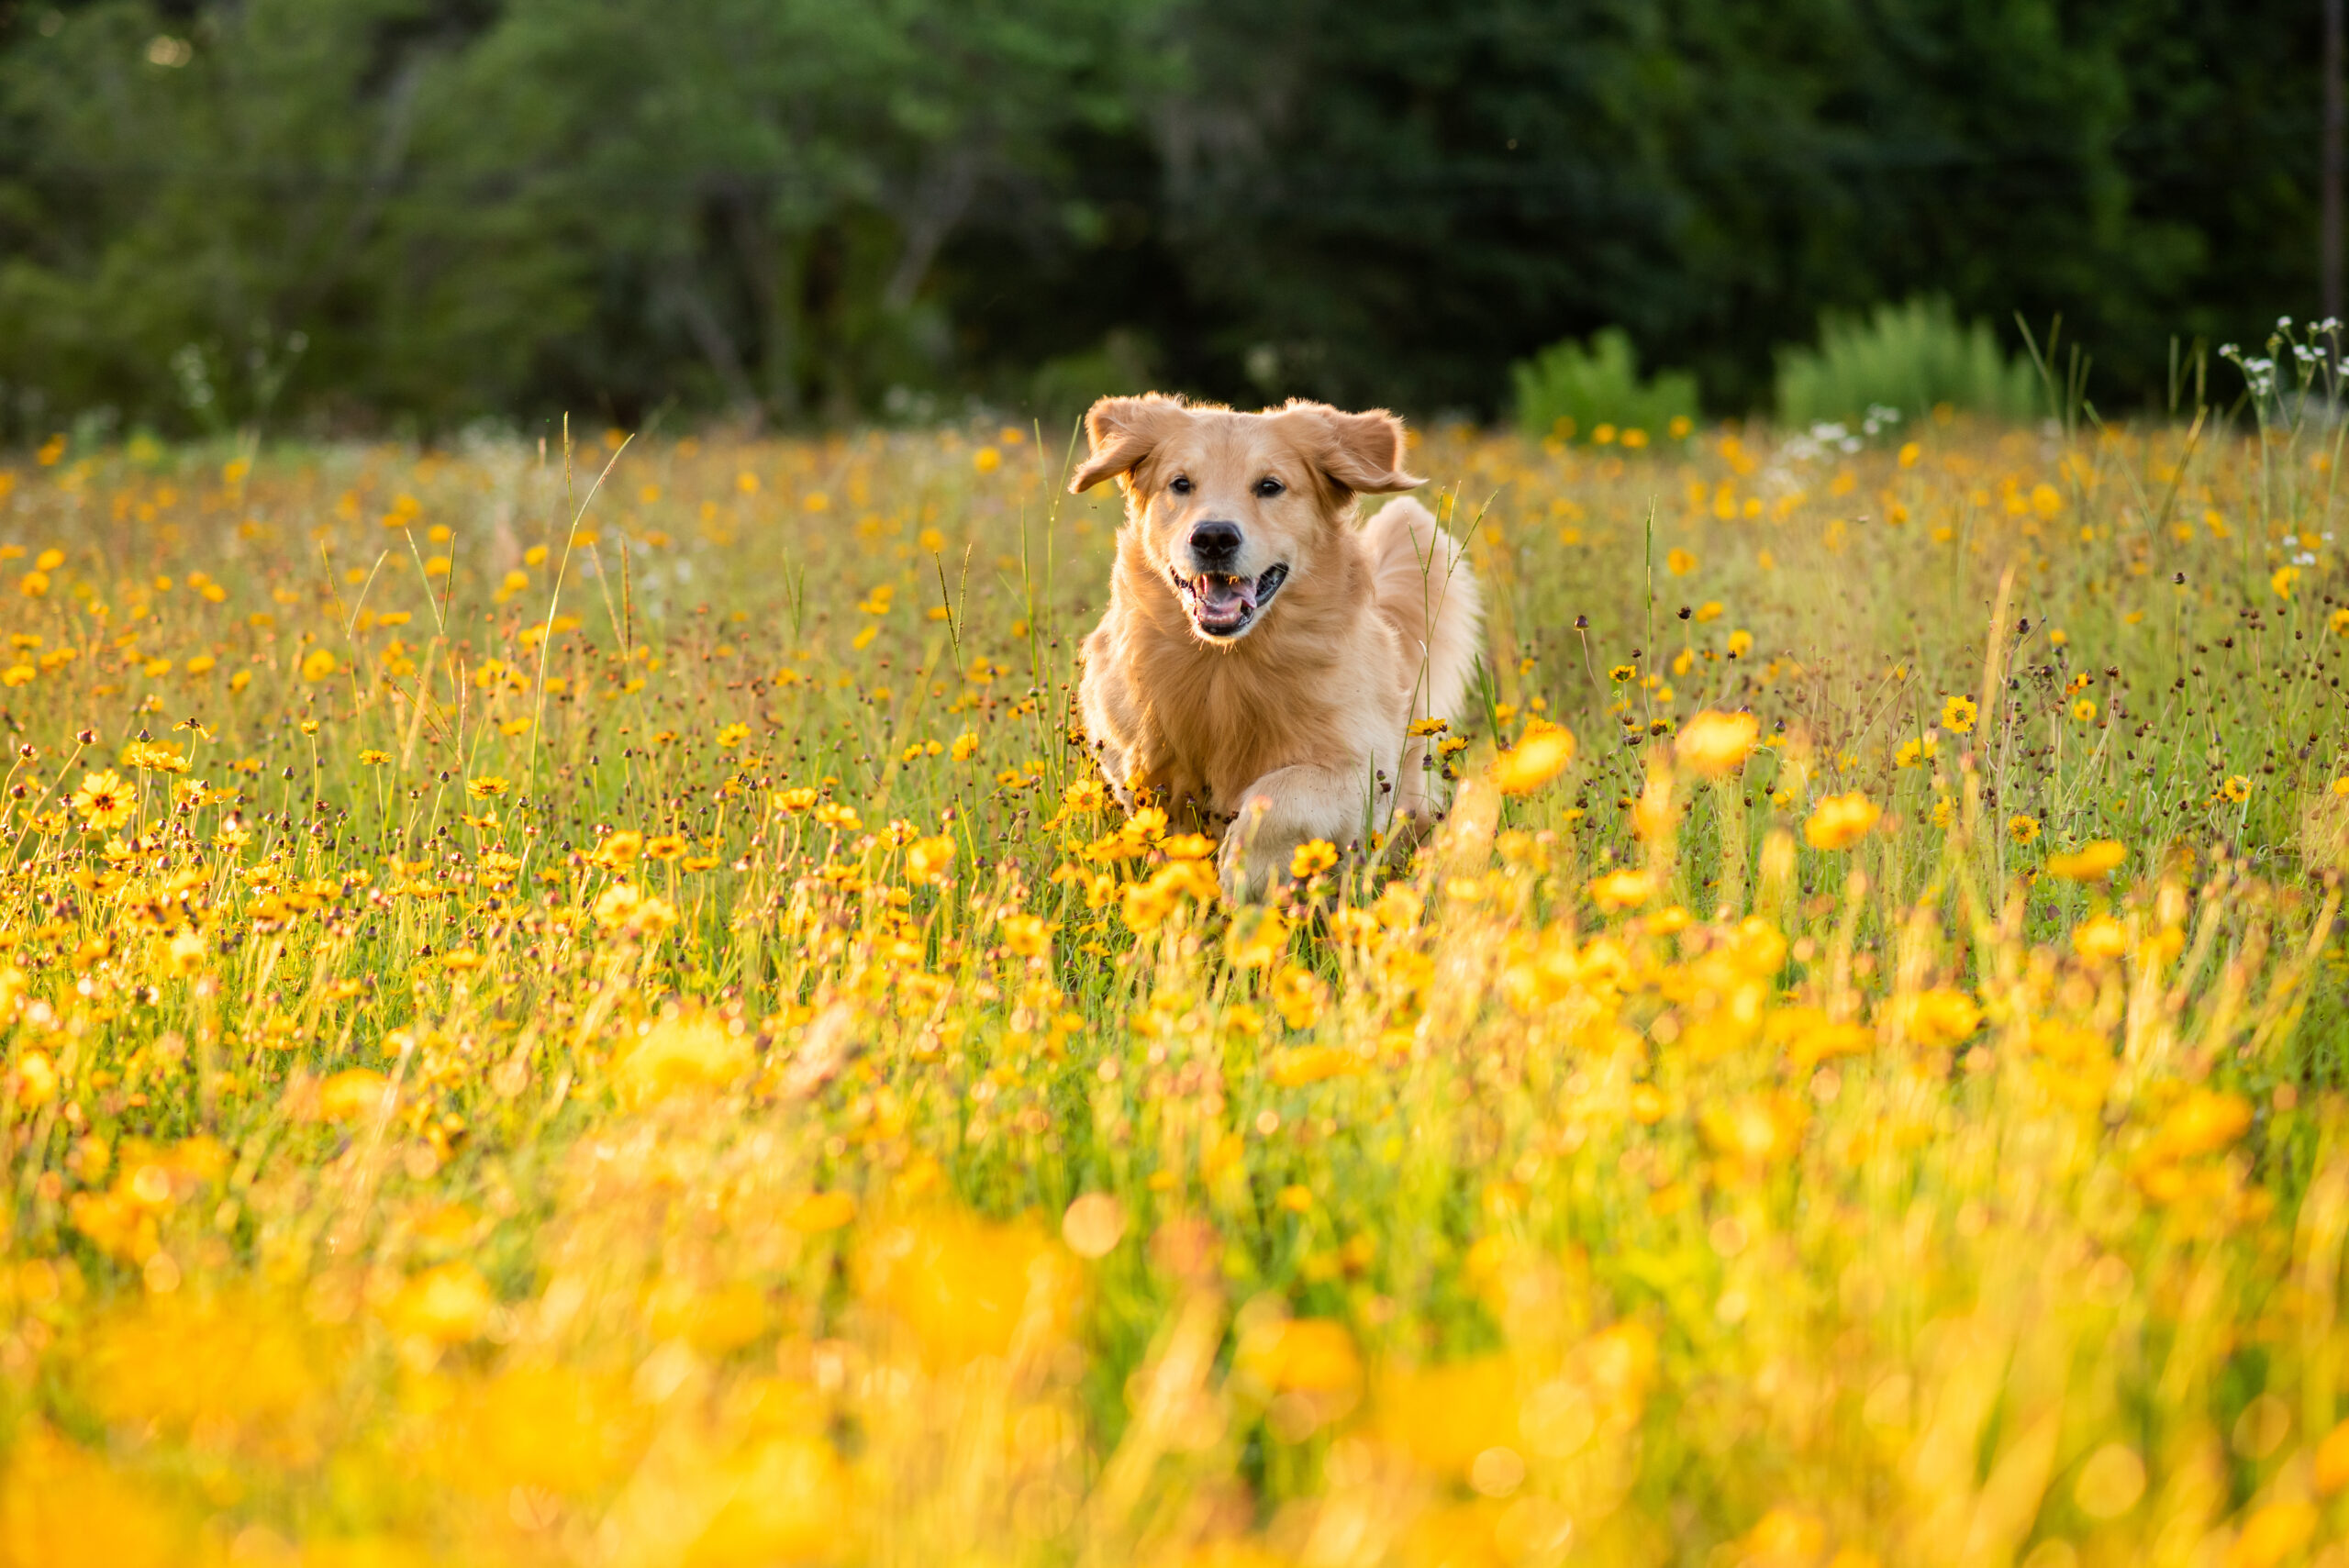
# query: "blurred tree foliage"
[[355, 213]]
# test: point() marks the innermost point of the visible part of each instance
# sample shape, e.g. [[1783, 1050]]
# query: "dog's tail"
[[1421, 582]]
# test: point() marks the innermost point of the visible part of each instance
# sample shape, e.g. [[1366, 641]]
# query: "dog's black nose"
[[1215, 544]]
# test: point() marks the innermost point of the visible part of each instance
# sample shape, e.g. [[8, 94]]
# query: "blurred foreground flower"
[[625, 907], [1619, 890], [2100, 937], [1540, 757], [927, 860], [1841, 821], [822, 1211], [2089, 862], [446, 1304], [965, 1287], [681, 1054], [1712, 744]]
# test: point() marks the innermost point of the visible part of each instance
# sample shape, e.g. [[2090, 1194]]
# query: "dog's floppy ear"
[[1358, 453], [1123, 431]]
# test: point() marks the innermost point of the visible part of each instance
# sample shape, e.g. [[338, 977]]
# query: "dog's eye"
[[1180, 486], [1268, 488]]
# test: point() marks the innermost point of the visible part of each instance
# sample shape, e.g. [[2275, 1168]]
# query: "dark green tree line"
[[351, 213]]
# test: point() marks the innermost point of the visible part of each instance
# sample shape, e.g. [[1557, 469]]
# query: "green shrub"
[[1570, 392], [1907, 357]]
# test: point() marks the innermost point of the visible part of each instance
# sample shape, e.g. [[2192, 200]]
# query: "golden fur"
[[1296, 726]]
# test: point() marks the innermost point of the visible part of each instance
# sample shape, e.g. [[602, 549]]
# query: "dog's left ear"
[[1357, 452]]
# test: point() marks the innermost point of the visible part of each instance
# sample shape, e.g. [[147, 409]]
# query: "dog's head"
[[1229, 507]]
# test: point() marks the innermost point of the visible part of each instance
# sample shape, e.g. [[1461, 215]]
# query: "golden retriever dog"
[[1265, 656]]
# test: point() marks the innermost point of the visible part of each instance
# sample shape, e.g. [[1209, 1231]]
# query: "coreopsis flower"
[[1145, 905], [625, 907], [927, 860], [618, 851], [1958, 715], [1312, 858], [1025, 935], [104, 800]]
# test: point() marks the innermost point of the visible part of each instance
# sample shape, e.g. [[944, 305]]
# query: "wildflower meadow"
[[582, 1002]]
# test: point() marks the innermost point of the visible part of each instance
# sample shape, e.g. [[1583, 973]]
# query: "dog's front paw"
[[1239, 870], [1250, 860]]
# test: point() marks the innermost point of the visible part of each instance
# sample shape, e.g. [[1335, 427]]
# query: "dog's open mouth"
[[1221, 605]]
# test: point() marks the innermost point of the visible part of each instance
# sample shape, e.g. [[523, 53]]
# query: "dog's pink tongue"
[[1230, 594]]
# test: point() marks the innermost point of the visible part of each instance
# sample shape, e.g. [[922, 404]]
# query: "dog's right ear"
[[1123, 431]]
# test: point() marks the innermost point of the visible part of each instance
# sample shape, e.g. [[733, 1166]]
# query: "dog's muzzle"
[[1222, 606]]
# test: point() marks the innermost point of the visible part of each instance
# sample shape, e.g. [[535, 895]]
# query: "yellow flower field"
[[587, 1007]]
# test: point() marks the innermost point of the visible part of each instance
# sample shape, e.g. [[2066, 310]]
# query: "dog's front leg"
[[1287, 807]]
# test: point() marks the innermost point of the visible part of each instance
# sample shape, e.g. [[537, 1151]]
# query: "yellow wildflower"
[[104, 801], [2089, 862], [2100, 937], [1841, 821], [1536, 760], [618, 851], [1712, 744]]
